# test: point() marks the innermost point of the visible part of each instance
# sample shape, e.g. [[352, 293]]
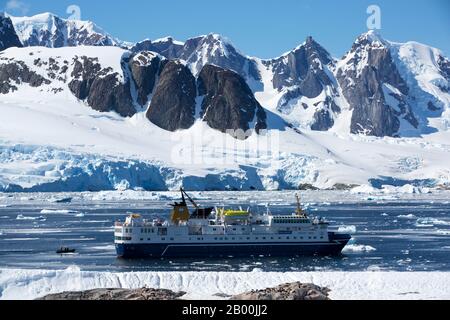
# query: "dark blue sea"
[[391, 234]]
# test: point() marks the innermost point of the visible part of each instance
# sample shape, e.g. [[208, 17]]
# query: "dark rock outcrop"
[[102, 87], [173, 103], [290, 291], [167, 47], [145, 67], [444, 66], [228, 102], [16, 73], [8, 36], [117, 294]]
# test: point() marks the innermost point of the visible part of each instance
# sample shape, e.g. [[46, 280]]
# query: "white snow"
[[30, 284]]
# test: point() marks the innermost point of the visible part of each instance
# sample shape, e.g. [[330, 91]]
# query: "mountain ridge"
[[114, 118], [307, 87]]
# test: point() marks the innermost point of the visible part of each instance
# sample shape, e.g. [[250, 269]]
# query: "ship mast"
[[299, 210]]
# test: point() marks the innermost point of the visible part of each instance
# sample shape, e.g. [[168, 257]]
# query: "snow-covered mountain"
[[380, 80], [49, 30], [113, 79], [300, 86], [104, 117]]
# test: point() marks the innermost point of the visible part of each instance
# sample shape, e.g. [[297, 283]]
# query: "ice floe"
[[347, 229], [55, 211], [372, 284], [22, 217], [358, 248]]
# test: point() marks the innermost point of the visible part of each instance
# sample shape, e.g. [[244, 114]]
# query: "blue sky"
[[260, 28]]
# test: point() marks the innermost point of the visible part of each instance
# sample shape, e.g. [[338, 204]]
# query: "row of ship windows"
[[147, 230], [124, 238], [214, 229], [233, 238], [289, 221]]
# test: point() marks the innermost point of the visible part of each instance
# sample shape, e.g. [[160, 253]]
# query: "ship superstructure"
[[220, 232]]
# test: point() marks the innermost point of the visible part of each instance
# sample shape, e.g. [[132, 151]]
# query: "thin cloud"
[[17, 6]]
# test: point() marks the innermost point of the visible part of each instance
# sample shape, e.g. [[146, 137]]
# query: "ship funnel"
[[180, 211]]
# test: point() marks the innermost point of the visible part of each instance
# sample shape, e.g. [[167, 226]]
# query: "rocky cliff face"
[[228, 101], [302, 66], [374, 88], [101, 87], [173, 103], [305, 78], [145, 68], [8, 36]]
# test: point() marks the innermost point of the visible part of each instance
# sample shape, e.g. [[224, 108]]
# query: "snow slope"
[[30, 284], [50, 141]]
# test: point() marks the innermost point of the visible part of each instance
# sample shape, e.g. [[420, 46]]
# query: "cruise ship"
[[220, 232]]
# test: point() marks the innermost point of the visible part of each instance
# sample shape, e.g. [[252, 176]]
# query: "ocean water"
[[389, 233]]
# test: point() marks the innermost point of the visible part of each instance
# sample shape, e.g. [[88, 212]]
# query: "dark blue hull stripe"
[[228, 249]]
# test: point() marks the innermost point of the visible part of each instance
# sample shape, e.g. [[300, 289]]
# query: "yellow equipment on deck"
[[179, 213], [235, 213]]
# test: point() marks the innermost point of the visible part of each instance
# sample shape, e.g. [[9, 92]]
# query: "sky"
[[265, 29]]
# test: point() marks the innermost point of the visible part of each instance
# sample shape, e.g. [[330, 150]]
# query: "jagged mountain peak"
[[168, 39], [372, 38], [49, 30], [295, 66], [311, 46], [216, 45]]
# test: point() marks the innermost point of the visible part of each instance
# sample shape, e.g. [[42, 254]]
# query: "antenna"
[[299, 208], [183, 193]]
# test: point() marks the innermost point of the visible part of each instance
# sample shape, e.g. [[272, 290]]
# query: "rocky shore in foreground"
[[117, 294], [289, 291]]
